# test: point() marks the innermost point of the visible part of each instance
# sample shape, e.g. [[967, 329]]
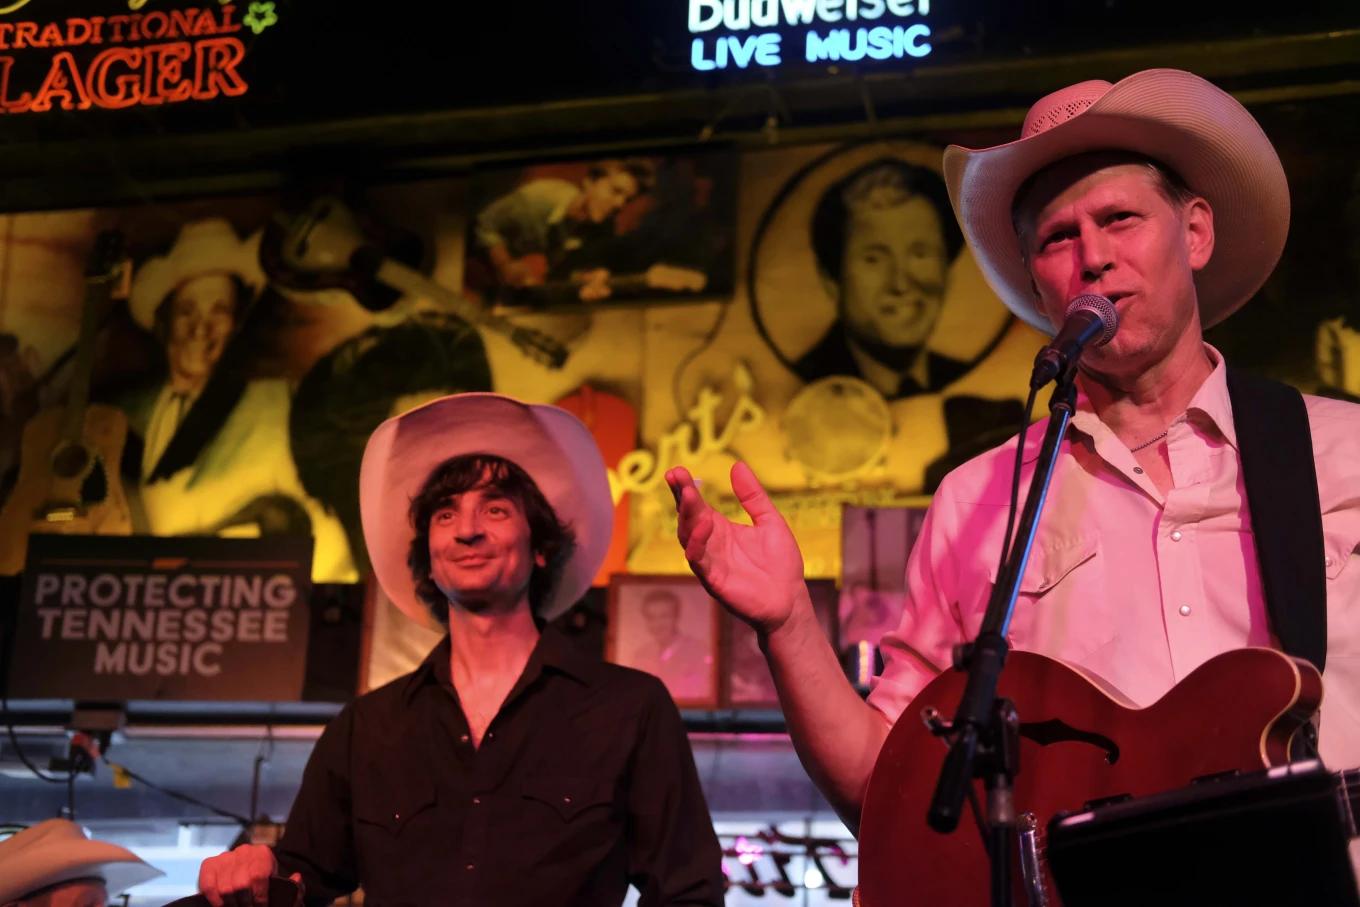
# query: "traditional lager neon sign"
[[826, 31], [196, 58]]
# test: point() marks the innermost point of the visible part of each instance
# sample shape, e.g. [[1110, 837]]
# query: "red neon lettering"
[[206, 24], [25, 35], [215, 61], [182, 22], [5, 29], [127, 86], [63, 84], [98, 23], [227, 25], [78, 32], [165, 80], [116, 23], [51, 35], [16, 106], [159, 20]]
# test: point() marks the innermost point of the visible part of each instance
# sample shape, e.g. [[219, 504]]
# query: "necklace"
[[1149, 442]]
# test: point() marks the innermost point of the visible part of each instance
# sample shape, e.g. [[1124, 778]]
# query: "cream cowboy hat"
[[203, 247], [550, 444], [57, 851], [1174, 117]]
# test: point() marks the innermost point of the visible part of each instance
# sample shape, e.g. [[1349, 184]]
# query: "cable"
[[185, 798], [1015, 484], [18, 750]]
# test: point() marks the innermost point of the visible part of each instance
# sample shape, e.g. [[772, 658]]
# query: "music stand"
[[1276, 837]]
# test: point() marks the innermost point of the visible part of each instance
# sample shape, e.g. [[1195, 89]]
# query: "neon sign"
[[109, 62], [823, 31]]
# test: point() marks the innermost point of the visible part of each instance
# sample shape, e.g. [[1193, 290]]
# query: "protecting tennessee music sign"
[[114, 618]]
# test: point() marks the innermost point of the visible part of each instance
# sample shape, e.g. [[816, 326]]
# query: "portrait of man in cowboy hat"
[[214, 439], [1162, 193], [510, 767], [53, 864]]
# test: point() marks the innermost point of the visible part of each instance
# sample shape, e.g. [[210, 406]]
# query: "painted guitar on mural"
[[324, 248], [69, 456], [1238, 711]]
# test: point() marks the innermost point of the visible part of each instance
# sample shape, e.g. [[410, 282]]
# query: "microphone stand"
[[985, 733]]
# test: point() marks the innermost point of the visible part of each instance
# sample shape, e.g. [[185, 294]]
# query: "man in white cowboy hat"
[[510, 767], [215, 446], [1162, 193], [53, 864]]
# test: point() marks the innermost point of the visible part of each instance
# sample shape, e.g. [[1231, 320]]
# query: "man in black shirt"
[[508, 768]]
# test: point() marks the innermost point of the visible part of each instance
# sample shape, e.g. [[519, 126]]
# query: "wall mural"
[[811, 310]]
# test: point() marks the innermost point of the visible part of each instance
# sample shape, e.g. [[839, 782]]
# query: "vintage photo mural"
[[809, 309]]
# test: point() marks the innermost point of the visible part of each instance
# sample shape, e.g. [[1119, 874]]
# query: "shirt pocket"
[[390, 806], [1059, 610], [1341, 561], [569, 797]]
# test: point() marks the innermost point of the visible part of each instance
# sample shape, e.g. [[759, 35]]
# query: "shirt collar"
[[1210, 402], [553, 652]]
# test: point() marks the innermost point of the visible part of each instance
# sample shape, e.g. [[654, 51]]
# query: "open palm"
[[757, 570]]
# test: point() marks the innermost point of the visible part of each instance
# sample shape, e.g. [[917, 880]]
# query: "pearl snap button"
[[1176, 535], [1185, 610]]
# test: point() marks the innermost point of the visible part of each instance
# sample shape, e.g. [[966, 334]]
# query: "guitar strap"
[[1276, 448]]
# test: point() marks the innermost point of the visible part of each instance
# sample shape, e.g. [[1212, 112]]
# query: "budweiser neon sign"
[[117, 61]]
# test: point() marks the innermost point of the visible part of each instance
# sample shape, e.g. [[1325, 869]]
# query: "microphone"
[[1089, 319]]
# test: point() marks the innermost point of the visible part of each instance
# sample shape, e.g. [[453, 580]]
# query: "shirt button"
[[566, 800], [1326, 562], [396, 817], [1185, 610], [1138, 469], [463, 739], [471, 866], [1175, 535], [490, 735], [476, 801]]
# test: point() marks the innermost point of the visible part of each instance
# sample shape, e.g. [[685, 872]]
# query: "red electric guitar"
[[1236, 712]]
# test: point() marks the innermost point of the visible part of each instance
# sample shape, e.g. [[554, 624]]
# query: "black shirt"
[[584, 782]]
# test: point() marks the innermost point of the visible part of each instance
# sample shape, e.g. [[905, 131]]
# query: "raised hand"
[[755, 571]]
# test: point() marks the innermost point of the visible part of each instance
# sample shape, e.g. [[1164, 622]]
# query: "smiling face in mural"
[[893, 272], [199, 319]]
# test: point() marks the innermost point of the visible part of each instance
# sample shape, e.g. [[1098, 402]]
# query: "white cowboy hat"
[[203, 247], [57, 851], [550, 444], [1176, 118]]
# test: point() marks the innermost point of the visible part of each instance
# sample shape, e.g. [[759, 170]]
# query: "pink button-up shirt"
[[1136, 587]]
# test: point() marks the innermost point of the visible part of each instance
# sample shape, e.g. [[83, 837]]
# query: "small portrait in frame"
[[747, 683], [667, 626]]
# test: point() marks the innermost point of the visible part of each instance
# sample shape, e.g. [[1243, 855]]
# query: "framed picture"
[[747, 683], [605, 231], [667, 626], [875, 544]]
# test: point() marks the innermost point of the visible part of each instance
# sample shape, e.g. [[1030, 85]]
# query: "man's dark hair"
[[548, 535], [893, 182], [240, 296], [640, 169]]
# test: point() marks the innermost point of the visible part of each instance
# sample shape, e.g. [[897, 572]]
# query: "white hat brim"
[[550, 444], [1177, 118], [58, 855]]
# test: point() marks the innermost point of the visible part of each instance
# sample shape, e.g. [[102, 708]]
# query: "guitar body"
[[76, 481], [1238, 711]]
